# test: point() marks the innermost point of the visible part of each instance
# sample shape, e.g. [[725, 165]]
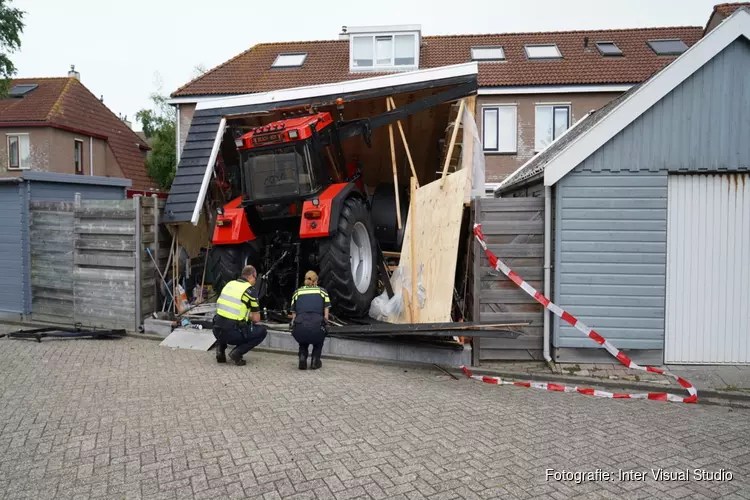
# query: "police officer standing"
[[237, 318], [310, 305]]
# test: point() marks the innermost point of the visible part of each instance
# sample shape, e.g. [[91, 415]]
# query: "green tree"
[[159, 125], [11, 27]]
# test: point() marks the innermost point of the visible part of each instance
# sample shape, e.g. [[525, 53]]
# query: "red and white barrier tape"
[[499, 265]]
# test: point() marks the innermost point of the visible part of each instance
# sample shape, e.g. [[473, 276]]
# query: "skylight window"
[[487, 54], [21, 89], [289, 60], [668, 47], [608, 49], [549, 51]]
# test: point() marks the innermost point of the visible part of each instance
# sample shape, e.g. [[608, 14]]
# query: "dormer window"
[[387, 51]]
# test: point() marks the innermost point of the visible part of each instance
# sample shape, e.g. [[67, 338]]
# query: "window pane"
[[608, 49], [13, 152], [405, 55], [543, 127], [362, 51], [24, 151], [507, 126], [562, 119], [542, 52], [384, 50], [668, 47], [487, 53], [489, 129], [289, 60]]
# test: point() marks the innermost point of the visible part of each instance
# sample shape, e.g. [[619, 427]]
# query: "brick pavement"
[[125, 419]]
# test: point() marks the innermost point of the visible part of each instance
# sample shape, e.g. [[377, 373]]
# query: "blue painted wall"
[[611, 210], [12, 267]]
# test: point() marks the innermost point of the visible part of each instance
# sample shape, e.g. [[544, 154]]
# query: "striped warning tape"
[[499, 265]]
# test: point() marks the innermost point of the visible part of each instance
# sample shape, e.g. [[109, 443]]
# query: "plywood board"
[[438, 226]]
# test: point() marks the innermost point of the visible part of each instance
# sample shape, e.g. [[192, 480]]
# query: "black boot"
[[237, 358], [221, 353], [302, 359], [315, 363]]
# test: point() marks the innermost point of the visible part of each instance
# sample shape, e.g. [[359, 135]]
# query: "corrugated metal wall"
[[12, 248], [610, 259], [708, 269]]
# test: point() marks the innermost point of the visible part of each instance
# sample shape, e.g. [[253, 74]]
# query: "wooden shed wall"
[[514, 231]]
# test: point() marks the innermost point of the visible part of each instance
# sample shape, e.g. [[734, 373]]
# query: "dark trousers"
[[243, 338], [307, 335]]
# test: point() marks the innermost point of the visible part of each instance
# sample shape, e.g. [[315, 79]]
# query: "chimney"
[[73, 73], [125, 120], [585, 43], [343, 35]]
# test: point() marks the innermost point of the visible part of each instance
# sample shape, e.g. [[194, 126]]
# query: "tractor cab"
[[290, 159]]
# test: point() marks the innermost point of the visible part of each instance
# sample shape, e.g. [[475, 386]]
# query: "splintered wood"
[[439, 210]]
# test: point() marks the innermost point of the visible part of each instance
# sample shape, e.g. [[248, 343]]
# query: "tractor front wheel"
[[348, 261]]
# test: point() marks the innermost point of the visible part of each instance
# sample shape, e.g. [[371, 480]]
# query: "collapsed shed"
[[398, 129]]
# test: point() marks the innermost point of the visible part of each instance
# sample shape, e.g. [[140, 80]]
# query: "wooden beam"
[[395, 171], [413, 250], [406, 144], [452, 143], [422, 328]]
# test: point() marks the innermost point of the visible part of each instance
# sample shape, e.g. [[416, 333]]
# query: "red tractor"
[[303, 207]]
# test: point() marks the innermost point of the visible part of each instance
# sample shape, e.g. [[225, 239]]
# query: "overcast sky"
[[125, 50]]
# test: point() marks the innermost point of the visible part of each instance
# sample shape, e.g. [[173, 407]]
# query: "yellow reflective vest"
[[230, 303]]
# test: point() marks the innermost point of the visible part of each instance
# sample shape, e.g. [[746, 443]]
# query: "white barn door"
[[708, 269]]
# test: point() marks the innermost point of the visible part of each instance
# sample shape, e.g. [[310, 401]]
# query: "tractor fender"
[[320, 215], [232, 226]]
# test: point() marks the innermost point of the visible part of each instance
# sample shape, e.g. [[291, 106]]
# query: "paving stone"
[[128, 419]]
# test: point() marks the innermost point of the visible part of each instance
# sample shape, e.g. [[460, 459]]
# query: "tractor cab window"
[[278, 172]]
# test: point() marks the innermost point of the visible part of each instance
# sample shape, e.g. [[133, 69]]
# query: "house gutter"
[[547, 267], [91, 155]]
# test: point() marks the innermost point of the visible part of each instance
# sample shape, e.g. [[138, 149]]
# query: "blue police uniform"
[[232, 322], [309, 304]]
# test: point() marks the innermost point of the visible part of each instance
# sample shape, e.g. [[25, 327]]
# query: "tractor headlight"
[[293, 134]]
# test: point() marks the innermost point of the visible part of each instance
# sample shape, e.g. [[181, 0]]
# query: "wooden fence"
[[514, 231], [89, 262], [51, 236]]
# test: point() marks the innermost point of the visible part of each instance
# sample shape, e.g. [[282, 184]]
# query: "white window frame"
[[383, 67], [497, 150], [75, 170], [278, 58], [530, 57], [479, 48], [20, 136], [553, 106]]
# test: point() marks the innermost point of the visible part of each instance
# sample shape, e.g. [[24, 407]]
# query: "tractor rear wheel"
[[226, 263], [348, 261]]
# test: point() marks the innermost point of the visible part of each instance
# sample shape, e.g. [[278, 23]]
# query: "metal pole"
[[138, 252], [156, 249]]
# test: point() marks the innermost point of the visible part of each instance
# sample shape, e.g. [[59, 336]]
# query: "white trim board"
[[346, 87], [209, 172], [648, 94], [553, 89]]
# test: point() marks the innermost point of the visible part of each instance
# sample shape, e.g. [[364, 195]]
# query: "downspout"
[[91, 155], [547, 267]]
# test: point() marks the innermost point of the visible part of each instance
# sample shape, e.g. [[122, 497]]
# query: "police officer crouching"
[[237, 318], [310, 305]]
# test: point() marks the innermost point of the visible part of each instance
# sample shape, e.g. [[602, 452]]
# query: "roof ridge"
[[40, 78], [564, 32], [58, 102], [213, 69]]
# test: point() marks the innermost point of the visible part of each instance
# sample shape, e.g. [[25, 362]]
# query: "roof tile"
[[67, 102], [328, 61]]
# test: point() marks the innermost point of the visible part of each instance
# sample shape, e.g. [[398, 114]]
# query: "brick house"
[[57, 125], [532, 86]]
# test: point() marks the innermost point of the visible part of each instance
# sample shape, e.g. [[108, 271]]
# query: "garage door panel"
[[708, 269]]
